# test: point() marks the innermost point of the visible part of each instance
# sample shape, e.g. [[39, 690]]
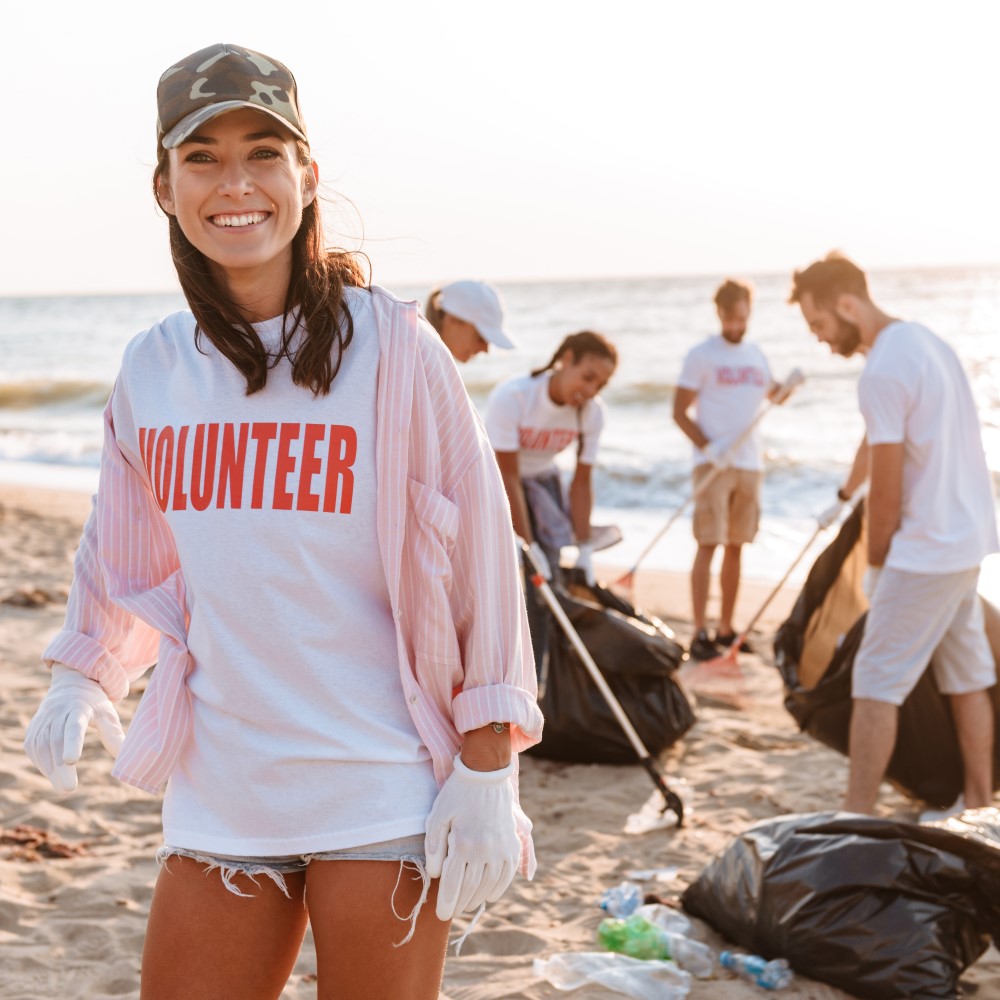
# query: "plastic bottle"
[[773, 975], [619, 973], [638, 938], [622, 900]]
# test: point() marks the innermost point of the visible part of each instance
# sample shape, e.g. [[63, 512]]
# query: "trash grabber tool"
[[671, 800]]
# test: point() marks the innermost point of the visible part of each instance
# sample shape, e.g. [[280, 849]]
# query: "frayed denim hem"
[[254, 868]]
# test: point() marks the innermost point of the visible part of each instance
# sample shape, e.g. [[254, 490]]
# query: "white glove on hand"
[[869, 582], [830, 514], [585, 561], [541, 562], [715, 452], [472, 843], [54, 740]]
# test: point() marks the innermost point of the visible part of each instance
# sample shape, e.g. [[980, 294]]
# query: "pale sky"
[[531, 140]]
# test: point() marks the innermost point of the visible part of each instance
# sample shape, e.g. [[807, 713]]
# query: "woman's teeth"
[[248, 219]]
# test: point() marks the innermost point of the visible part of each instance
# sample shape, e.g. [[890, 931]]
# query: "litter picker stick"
[[671, 800], [728, 658], [795, 379]]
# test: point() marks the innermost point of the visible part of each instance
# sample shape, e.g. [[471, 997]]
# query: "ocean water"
[[60, 355]]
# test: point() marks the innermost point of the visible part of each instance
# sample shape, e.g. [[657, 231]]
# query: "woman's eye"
[[264, 154], [198, 158]]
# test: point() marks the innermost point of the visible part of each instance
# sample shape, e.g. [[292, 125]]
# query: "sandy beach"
[[77, 872]]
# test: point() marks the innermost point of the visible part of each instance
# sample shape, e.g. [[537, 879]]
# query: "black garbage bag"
[[638, 656], [880, 908], [814, 651]]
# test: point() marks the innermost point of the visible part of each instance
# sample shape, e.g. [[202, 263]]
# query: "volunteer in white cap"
[[468, 316]]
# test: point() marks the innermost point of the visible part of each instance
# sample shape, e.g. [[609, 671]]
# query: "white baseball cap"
[[480, 304]]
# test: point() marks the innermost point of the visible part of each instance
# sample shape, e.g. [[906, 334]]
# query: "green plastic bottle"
[[634, 936]]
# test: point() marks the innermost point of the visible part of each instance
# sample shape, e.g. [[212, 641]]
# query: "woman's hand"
[[472, 843], [54, 740]]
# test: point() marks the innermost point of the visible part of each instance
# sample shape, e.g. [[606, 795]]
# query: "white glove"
[[830, 514], [715, 452], [585, 561], [795, 378], [869, 582], [54, 740], [541, 562], [472, 843]]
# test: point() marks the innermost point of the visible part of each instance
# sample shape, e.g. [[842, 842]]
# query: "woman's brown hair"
[[316, 289], [580, 345]]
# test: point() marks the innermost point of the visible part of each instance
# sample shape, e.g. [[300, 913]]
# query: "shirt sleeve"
[[125, 541], [499, 680], [692, 374], [885, 403], [594, 416], [503, 419]]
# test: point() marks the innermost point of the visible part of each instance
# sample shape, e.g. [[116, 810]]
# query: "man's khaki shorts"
[[727, 512], [921, 618]]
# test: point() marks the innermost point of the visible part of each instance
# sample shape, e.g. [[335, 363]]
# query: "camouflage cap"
[[219, 79]]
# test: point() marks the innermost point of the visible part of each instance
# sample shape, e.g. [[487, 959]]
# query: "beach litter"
[[651, 815], [880, 908], [633, 977]]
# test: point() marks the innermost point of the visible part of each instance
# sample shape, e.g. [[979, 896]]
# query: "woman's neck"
[[258, 293]]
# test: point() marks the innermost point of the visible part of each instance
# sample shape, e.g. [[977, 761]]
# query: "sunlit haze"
[[531, 140]]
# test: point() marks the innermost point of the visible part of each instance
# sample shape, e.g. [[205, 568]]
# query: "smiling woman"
[[299, 520]]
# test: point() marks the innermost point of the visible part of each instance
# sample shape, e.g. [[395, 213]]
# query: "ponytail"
[[580, 345]]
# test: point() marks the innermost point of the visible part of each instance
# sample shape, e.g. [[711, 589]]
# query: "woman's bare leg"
[[355, 930], [205, 943]]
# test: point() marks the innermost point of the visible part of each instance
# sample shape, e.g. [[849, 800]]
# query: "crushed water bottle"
[[636, 937], [773, 975], [618, 973], [622, 900]]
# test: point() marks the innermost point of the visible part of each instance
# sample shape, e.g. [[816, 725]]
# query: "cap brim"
[[497, 336], [189, 123]]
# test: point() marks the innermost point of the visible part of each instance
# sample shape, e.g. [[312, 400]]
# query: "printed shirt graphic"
[[914, 391], [301, 737], [521, 417], [731, 381]]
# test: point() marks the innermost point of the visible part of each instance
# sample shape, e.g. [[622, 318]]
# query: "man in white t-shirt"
[[726, 379], [931, 522]]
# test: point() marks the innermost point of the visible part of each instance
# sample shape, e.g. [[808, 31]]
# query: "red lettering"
[[231, 463], [180, 497], [263, 434], [343, 451], [163, 466], [203, 465], [284, 466], [309, 465]]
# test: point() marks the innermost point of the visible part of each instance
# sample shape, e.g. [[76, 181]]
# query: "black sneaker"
[[702, 648], [725, 641]]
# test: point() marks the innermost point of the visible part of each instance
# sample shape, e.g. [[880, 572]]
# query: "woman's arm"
[[127, 544], [581, 501], [511, 473]]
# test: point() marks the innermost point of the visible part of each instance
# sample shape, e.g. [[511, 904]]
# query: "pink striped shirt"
[[446, 545]]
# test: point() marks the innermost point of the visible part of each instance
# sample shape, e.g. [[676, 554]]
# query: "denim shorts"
[[408, 852]]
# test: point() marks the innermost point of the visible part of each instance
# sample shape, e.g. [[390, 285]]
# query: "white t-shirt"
[[521, 416], [301, 740], [731, 381], [914, 391]]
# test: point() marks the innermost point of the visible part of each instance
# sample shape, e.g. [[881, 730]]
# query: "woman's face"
[[238, 191], [461, 338], [576, 382]]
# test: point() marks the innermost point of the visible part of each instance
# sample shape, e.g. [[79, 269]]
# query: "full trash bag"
[[814, 651], [638, 656], [880, 908]]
